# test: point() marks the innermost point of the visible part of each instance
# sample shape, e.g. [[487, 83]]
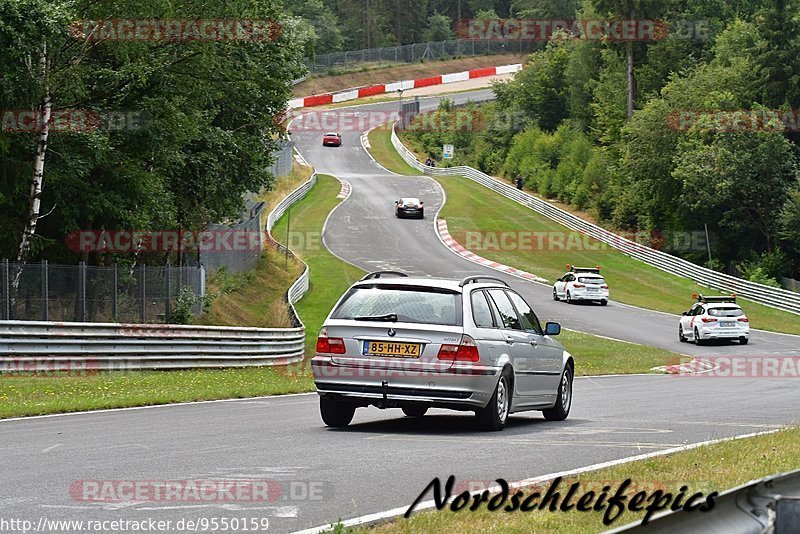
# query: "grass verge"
[[600, 356], [706, 469], [329, 276], [380, 142], [487, 216], [247, 299]]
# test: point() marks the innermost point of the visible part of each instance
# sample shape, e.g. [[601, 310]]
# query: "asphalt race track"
[[383, 460]]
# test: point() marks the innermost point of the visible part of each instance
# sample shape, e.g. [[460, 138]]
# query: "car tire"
[[336, 413], [569, 298], [415, 411], [560, 411], [743, 340], [422, 214], [604, 302], [495, 415], [681, 337], [555, 295], [697, 340]]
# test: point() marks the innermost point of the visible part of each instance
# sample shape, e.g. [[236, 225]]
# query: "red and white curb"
[[346, 188], [694, 367], [455, 246], [371, 90]]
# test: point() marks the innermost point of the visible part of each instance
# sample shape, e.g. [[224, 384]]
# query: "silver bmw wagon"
[[393, 341]]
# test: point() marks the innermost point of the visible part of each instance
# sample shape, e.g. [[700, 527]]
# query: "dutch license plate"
[[392, 349], [591, 289], [727, 324]]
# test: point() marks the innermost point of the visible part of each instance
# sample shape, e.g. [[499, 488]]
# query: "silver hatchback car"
[[415, 343]]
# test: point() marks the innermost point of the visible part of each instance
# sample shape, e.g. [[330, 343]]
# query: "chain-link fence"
[[247, 242], [283, 160], [412, 53], [115, 293]]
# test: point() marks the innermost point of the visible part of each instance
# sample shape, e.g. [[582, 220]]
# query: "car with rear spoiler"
[[394, 341], [584, 284], [714, 317]]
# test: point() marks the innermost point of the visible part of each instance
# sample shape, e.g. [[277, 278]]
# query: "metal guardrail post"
[[6, 290], [45, 292], [168, 301], [114, 283], [142, 293], [82, 291]]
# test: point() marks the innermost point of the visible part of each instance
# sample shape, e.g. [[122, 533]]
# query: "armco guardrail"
[[769, 296], [300, 286], [47, 346], [81, 347], [771, 504]]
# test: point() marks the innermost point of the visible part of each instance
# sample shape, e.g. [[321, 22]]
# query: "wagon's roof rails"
[[381, 274], [474, 279], [709, 299], [573, 269]]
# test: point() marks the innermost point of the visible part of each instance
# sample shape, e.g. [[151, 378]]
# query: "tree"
[[738, 182], [326, 24], [779, 58], [540, 90], [206, 141], [545, 9], [628, 10], [438, 29]]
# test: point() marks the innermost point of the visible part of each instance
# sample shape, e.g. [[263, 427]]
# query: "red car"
[[332, 139]]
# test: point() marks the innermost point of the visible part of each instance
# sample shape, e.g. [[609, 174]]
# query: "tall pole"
[[286, 247], [708, 246]]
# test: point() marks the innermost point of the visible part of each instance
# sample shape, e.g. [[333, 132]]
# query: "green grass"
[[58, 393], [471, 207], [600, 356], [716, 467], [380, 141], [329, 276], [253, 296]]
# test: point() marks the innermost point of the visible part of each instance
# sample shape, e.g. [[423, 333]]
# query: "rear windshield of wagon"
[[410, 304]]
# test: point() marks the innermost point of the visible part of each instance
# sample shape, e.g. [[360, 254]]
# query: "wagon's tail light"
[[709, 319], [466, 351], [744, 320], [604, 287], [329, 345], [578, 285]]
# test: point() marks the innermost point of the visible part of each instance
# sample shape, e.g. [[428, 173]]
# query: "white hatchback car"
[[581, 283], [714, 317]]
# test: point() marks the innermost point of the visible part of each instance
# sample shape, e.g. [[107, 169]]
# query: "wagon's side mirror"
[[552, 329]]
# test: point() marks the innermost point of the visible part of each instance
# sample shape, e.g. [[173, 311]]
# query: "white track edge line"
[[386, 515]]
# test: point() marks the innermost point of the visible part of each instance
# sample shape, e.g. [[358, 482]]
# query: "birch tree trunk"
[[631, 80], [37, 181]]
